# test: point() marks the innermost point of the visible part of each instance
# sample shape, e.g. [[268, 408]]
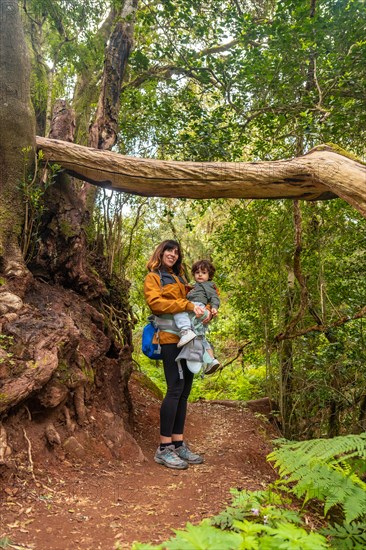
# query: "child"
[[203, 292]]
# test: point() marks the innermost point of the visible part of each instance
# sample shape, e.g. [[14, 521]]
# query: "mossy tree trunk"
[[62, 254], [17, 136]]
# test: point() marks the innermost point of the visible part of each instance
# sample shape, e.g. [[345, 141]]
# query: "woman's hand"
[[198, 311], [208, 318]]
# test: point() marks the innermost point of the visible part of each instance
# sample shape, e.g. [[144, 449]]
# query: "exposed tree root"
[[79, 405], [5, 450], [30, 459]]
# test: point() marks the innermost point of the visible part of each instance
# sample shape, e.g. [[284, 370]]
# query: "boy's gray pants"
[[187, 320]]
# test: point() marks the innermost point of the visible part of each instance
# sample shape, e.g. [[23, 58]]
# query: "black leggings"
[[174, 406]]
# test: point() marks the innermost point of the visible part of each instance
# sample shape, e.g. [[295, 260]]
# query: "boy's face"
[[201, 275]]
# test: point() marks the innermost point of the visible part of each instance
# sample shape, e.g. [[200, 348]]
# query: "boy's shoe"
[[185, 337], [186, 454], [212, 367], [169, 458]]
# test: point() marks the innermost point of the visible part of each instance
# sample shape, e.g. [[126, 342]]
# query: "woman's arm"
[[174, 301]]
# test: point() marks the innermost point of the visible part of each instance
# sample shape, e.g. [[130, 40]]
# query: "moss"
[[66, 229], [63, 366], [89, 374], [145, 382], [6, 341], [63, 371], [3, 397], [94, 272], [337, 149], [2, 281]]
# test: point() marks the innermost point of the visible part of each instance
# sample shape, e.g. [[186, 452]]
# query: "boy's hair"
[[204, 264]]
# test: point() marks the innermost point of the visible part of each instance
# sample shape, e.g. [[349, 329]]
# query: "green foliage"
[[330, 367], [195, 537], [288, 79], [316, 467], [33, 190], [252, 274], [347, 536], [326, 469], [268, 519], [198, 537], [67, 41], [233, 382], [250, 536], [285, 535], [153, 369], [267, 506]]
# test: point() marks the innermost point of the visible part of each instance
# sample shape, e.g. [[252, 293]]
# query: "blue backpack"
[[148, 348]]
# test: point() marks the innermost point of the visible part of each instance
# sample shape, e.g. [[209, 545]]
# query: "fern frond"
[[347, 536], [326, 469], [339, 448]]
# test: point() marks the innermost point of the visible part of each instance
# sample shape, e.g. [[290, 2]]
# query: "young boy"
[[203, 292]]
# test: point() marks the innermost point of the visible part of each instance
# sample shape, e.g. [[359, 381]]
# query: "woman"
[[165, 294]]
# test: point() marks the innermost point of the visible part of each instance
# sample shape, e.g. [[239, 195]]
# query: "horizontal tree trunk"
[[319, 175]]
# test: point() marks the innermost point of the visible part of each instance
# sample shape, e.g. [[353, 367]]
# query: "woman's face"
[[170, 257]]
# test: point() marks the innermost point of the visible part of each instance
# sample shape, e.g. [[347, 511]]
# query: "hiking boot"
[[185, 337], [169, 458], [186, 454], [212, 367]]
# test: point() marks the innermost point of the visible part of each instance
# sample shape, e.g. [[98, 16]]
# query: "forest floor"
[[103, 504]]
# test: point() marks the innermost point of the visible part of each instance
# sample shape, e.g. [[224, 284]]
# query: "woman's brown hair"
[[156, 259]]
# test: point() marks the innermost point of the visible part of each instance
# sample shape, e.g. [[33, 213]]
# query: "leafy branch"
[[324, 328]]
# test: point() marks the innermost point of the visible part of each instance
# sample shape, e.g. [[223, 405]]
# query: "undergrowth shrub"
[[233, 382]]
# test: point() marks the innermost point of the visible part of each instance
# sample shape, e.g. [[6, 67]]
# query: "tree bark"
[[103, 133], [321, 174], [62, 251], [17, 136]]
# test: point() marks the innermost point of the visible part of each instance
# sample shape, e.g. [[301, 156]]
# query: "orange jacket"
[[166, 294]]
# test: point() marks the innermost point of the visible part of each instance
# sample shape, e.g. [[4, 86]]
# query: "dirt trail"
[[90, 506]]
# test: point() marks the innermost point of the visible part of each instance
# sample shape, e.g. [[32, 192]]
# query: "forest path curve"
[[91, 506]]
